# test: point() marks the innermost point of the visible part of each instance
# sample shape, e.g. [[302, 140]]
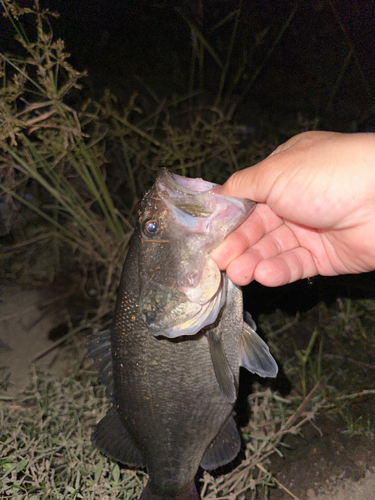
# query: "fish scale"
[[180, 399]]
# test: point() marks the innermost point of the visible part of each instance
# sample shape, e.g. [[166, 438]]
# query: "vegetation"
[[46, 451], [72, 171]]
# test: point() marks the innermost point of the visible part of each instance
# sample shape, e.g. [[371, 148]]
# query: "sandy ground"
[[26, 319], [25, 322], [364, 489]]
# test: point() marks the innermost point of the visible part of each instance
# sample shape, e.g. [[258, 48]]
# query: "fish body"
[[172, 373]]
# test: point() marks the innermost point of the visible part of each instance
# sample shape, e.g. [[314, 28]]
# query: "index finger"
[[260, 222]]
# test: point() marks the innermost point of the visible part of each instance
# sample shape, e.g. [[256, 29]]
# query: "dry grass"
[[86, 168], [45, 433], [46, 450], [45, 447], [72, 176]]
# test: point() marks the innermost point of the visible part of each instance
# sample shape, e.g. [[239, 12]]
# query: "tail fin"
[[187, 493]]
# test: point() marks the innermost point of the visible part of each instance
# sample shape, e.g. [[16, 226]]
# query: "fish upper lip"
[[183, 185], [177, 185]]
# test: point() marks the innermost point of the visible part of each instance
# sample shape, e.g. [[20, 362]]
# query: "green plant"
[[231, 70], [46, 142], [357, 427], [307, 361], [88, 166]]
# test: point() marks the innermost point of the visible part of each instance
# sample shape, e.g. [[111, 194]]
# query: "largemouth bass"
[[171, 359]]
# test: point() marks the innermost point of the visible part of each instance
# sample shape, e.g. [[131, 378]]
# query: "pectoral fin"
[[223, 372], [255, 354]]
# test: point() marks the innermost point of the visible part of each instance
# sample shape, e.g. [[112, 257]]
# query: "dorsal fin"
[[99, 348], [110, 435]]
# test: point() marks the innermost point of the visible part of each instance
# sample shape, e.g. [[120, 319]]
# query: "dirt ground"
[[322, 464], [325, 464], [26, 319]]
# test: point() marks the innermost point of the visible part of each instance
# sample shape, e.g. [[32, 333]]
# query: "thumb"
[[256, 183], [249, 183]]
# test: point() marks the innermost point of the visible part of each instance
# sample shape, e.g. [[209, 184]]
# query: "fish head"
[[181, 221]]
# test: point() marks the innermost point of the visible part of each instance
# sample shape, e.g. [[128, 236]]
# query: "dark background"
[[322, 68], [117, 40]]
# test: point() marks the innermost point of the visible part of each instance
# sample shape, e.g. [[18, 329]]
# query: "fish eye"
[[151, 227]]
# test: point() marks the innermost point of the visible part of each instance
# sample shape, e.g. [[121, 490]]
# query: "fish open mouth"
[[183, 220]]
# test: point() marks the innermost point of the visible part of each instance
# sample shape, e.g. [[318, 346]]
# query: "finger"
[[290, 236], [280, 240], [233, 246], [290, 266], [281, 257], [303, 140], [241, 269], [286, 268], [260, 221], [248, 183]]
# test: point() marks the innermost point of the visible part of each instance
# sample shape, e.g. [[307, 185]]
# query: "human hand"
[[315, 212]]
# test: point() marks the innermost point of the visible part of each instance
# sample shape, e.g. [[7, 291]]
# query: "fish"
[[170, 361]]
